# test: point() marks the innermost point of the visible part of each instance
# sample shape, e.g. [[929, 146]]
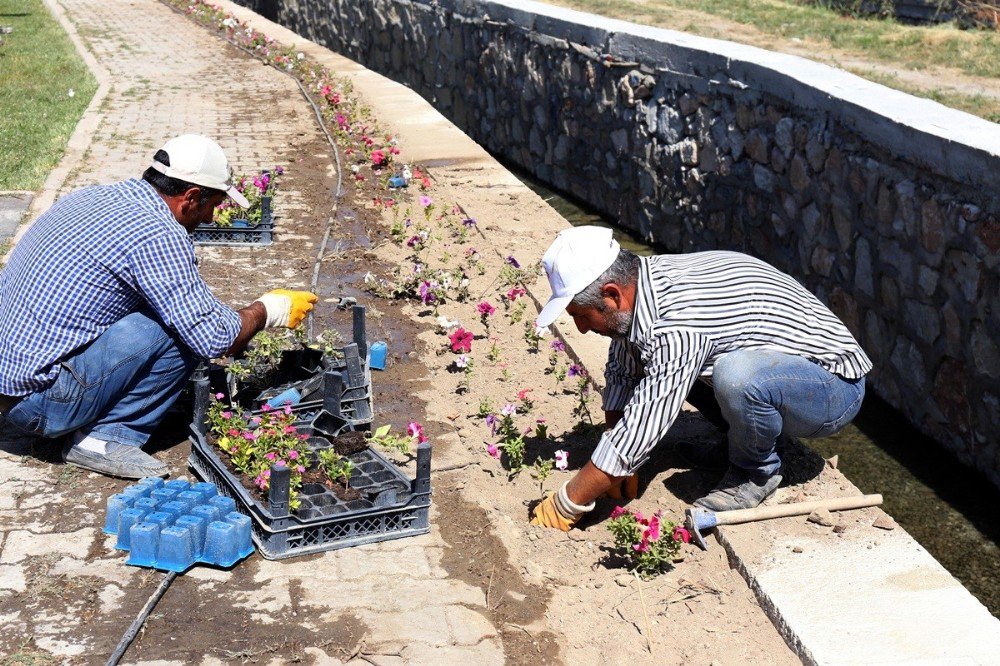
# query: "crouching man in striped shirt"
[[721, 324], [103, 315]]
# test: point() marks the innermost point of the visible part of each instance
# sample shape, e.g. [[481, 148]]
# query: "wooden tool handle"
[[797, 509]]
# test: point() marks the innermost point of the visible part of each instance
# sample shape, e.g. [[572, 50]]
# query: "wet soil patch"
[[476, 556], [349, 442], [189, 612]]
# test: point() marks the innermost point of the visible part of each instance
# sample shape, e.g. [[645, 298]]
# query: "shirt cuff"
[[607, 459], [616, 396]]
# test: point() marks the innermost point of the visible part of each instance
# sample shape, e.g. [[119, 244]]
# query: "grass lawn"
[[887, 42], [38, 68]]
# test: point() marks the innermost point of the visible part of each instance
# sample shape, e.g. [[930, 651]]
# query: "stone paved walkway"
[[170, 77]]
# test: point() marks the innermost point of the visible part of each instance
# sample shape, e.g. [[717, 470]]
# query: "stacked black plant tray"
[[242, 232], [342, 386], [391, 505]]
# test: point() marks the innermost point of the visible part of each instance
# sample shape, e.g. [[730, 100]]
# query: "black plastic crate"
[[341, 386], [392, 505], [241, 232]]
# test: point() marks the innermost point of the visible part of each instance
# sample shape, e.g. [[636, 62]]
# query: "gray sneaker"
[[738, 489], [120, 460]]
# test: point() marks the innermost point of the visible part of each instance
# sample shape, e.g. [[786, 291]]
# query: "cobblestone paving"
[[172, 77]]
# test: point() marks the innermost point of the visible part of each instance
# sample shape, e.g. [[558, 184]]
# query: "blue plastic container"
[[174, 525], [377, 358], [289, 397]]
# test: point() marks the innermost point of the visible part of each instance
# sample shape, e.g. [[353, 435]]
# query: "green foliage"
[[37, 113], [386, 440], [485, 408], [648, 545], [336, 466]]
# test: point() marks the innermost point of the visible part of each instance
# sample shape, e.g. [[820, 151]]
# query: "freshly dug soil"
[[349, 443], [316, 475]]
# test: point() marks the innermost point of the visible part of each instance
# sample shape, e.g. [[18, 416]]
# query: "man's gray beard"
[[620, 324]]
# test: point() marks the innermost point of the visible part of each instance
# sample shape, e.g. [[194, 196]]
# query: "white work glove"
[[286, 307]]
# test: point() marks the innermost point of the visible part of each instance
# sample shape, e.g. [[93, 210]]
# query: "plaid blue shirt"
[[97, 255]]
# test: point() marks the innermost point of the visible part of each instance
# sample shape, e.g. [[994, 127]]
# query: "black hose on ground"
[[140, 620]]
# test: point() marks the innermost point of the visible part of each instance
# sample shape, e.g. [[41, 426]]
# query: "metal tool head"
[[697, 519]]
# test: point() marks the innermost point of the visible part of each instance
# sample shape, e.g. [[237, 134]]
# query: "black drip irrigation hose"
[[140, 619]]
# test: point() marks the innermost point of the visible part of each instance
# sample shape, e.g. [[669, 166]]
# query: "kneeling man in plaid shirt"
[[103, 315]]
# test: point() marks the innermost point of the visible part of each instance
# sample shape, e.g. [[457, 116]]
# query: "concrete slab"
[[13, 206], [864, 598]]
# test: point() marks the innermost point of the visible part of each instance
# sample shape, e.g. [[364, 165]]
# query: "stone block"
[[927, 279], [779, 163], [669, 124], [763, 178], [931, 227], [985, 351], [909, 364], [757, 147], [783, 136], [923, 320], [863, 279], [689, 152]]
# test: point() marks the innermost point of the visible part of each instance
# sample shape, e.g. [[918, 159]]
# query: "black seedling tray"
[[391, 505], [241, 233]]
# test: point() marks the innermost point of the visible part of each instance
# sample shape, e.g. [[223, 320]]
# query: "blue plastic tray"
[[176, 524]]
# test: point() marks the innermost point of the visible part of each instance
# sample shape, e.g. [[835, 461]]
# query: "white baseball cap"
[[198, 160], [576, 258]]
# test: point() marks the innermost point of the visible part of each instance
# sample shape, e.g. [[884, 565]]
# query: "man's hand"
[[546, 514], [626, 488], [559, 511], [286, 307]]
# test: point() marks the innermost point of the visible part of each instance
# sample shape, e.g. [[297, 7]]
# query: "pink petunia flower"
[[293, 455], [485, 309], [618, 512], [220, 396], [493, 450], [227, 415], [681, 534], [425, 201], [416, 430], [271, 455], [461, 340], [562, 459]]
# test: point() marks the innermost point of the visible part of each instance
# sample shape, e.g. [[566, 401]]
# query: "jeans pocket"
[[67, 387], [836, 425]]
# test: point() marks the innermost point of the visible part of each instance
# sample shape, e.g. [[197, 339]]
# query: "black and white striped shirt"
[[691, 309]]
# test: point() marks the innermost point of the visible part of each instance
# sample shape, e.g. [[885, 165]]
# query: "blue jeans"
[[763, 394], [118, 388]]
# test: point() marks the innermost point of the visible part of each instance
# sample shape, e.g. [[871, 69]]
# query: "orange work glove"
[[627, 489], [558, 511], [286, 307], [546, 514]]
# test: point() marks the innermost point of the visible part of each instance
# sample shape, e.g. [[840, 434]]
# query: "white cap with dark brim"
[[576, 258], [198, 160]]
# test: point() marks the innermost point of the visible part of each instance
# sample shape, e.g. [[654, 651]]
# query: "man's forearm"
[[252, 320]]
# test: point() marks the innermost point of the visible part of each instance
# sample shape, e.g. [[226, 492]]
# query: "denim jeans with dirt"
[[757, 396], [116, 389]]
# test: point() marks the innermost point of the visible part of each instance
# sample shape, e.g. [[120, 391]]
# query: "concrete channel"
[[881, 599]]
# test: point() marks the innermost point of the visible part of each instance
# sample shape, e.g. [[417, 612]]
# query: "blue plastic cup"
[[288, 397], [136, 491], [160, 518], [164, 494], [153, 482], [144, 539], [176, 548], [179, 485], [147, 503], [244, 544], [225, 504], [376, 359], [207, 490], [116, 504], [190, 499], [208, 512], [220, 544], [197, 525], [126, 519], [174, 508]]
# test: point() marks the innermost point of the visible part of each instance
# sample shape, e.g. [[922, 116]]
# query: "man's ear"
[[190, 198], [614, 292]]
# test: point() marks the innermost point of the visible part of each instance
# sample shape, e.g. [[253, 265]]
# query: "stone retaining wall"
[[882, 204]]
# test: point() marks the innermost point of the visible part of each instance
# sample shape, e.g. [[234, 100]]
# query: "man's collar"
[[644, 311]]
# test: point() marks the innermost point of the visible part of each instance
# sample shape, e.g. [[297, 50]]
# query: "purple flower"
[[509, 409], [558, 345], [413, 241], [491, 421], [278, 170], [512, 261], [576, 370], [469, 222], [425, 201], [485, 309], [426, 293]]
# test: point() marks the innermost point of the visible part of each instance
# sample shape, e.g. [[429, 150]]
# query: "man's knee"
[[733, 377]]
